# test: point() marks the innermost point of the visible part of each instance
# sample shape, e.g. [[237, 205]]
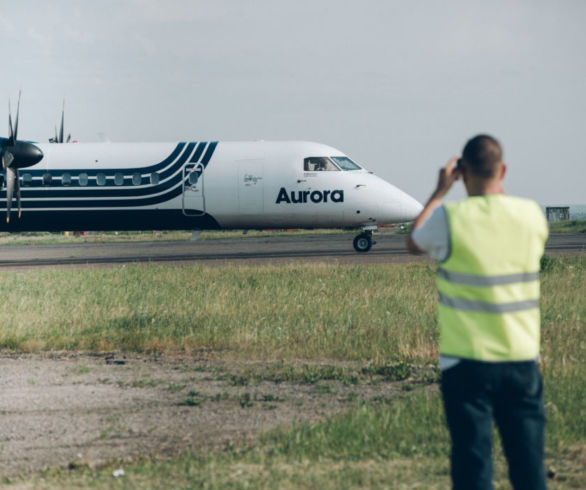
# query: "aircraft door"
[[193, 190]]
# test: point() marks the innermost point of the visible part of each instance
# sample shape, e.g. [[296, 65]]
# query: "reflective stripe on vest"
[[472, 280], [489, 285], [485, 307]]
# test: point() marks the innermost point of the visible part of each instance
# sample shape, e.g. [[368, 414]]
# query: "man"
[[489, 248]]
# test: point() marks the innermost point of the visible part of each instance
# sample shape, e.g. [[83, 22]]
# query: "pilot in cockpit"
[[319, 164]]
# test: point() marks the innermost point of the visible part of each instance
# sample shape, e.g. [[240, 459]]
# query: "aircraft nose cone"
[[26, 154], [398, 206], [411, 207]]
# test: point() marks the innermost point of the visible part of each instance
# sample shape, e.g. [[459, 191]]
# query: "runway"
[[390, 248]]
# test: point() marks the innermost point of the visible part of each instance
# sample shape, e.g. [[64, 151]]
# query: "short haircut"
[[483, 155]]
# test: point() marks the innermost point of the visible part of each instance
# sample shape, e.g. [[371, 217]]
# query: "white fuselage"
[[200, 185]]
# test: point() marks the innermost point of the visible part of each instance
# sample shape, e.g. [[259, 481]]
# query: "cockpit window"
[[346, 164], [319, 164]]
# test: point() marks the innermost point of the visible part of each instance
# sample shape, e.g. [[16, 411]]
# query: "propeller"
[[14, 155], [59, 137]]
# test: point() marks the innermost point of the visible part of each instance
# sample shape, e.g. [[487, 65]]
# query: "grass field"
[[376, 317], [572, 226], [46, 238], [346, 312]]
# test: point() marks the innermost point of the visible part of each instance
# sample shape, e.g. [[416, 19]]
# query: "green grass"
[[46, 238], [282, 371], [377, 313], [572, 226], [382, 317], [318, 311]]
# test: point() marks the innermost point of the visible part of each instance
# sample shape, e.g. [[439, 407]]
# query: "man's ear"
[[503, 171], [464, 174]]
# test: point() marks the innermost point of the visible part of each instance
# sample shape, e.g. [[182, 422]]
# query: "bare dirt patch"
[[67, 410]]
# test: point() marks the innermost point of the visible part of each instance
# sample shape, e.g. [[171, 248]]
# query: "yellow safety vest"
[[489, 284]]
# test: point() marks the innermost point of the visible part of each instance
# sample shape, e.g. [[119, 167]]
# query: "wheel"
[[363, 242]]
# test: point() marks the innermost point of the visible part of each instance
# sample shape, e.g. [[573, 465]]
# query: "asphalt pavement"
[[389, 248]]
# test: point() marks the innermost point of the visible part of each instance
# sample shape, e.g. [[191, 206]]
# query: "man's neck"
[[485, 188]]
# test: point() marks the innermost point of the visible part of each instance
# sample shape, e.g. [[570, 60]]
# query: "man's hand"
[[447, 176]]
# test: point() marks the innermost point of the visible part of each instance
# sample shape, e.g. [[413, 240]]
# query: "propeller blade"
[[7, 160], [17, 188], [17, 112], [62, 121], [10, 130], [11, 176], [69, 138]]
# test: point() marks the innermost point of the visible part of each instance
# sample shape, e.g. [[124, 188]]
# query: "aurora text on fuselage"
[[297, 197]]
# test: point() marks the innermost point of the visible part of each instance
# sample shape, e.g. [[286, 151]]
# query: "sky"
[[397, 85]]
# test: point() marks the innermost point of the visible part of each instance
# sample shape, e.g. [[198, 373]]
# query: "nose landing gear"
[[364, 241]]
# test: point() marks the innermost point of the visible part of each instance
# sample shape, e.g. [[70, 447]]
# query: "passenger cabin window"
[[66, 179], [101, 179], [118, 179], [155, 179], [47, 178], [83, 179], [136, 179], [27, 179], [346, 164], [319, 164]]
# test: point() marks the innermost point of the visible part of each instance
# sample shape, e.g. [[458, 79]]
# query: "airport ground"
[[262, 249], [298, 392]]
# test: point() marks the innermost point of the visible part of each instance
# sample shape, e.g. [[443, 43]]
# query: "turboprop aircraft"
[[195, 185]]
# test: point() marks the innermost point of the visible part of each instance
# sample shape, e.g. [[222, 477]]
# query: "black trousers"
[[510, 393]]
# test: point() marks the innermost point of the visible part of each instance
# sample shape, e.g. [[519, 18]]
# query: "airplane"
[[194, 185]]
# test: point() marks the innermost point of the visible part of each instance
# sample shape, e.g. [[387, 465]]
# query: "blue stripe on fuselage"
[[151, 194]]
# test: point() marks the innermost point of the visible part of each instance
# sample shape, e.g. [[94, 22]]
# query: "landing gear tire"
[[363, 242]]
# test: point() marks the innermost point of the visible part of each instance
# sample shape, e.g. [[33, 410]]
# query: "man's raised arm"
[[447, 176]]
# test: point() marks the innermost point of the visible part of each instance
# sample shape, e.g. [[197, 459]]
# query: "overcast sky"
[[397, 85]]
